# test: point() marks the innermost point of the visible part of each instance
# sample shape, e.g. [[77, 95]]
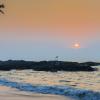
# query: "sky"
[[43, 29]]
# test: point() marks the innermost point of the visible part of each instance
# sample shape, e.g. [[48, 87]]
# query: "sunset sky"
[[43, 29]]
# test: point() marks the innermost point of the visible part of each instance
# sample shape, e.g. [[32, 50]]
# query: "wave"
[[79, 94]]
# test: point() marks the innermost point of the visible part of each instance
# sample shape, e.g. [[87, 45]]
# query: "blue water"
[[79, 94]]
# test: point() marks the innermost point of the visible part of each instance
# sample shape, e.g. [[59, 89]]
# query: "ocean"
[[78, 85]]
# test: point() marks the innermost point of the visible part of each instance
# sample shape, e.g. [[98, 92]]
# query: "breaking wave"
[[79, 94]]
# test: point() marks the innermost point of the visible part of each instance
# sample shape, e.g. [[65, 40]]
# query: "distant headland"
[[52, 66]]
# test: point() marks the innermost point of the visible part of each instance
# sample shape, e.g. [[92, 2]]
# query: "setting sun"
[[76, 45]]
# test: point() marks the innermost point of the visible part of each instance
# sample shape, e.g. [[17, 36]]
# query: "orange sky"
[[62, 19], [42, 29]]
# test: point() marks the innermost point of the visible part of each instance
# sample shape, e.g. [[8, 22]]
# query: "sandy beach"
[[7, 93]]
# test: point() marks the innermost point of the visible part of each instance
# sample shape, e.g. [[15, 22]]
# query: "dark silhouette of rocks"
[[52, 66], [91, 63]]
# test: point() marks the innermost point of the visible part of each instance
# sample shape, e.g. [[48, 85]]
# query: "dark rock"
[[52, 66]]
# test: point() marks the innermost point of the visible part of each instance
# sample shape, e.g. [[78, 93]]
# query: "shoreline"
[[49, 86], [7, 93]]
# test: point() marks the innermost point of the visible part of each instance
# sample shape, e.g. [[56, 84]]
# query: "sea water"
[[79, 85]]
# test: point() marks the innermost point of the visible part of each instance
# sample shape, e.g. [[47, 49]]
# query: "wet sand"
[[7, 93]]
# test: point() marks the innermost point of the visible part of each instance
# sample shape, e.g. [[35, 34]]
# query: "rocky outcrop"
[[53, 66]]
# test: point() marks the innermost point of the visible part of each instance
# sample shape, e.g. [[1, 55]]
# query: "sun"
[[76, 45]]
